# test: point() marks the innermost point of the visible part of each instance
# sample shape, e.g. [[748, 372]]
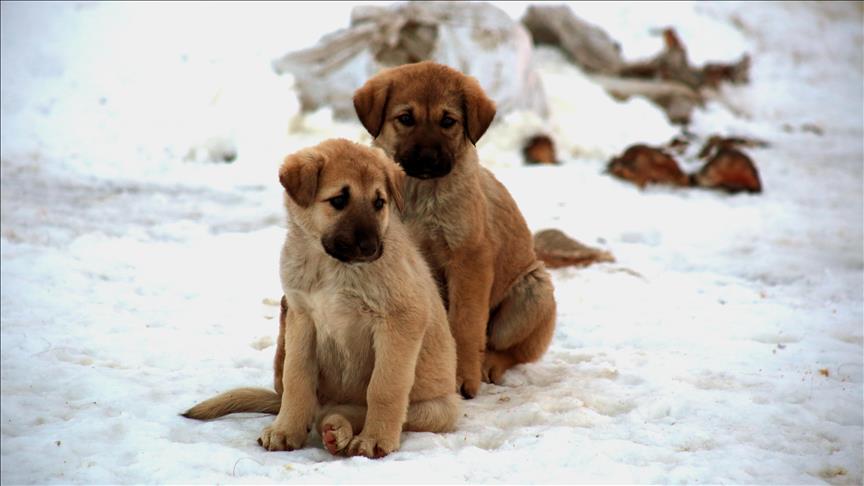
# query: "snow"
[[724, 345]]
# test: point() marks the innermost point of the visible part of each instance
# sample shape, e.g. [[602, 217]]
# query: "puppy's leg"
[[279, 359], [469, 283], [521, 327], [397, 345], [299, 381]]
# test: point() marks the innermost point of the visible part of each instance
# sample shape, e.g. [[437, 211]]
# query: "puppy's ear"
[[396, 184], [479, 110], [370, 103], [299, 175]]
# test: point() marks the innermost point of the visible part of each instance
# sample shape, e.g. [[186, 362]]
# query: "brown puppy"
[[367, 349], [428, 117]]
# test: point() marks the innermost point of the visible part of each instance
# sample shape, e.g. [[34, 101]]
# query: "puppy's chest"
[[340, 317], [436, 226]]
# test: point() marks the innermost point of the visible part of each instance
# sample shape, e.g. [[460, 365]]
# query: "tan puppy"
[[367, 349], [500, 300]]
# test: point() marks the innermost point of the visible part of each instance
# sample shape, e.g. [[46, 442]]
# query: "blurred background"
[[195, 81]]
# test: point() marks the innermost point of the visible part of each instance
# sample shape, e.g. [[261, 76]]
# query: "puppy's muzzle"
[[425, 163], [358, 246]]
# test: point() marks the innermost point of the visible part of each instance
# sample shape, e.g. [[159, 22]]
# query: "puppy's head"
[[339, 193], [425, 115]]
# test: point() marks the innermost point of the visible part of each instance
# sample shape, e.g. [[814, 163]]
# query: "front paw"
[[275, 438], [371, 447], [468, 384], [494, 366]]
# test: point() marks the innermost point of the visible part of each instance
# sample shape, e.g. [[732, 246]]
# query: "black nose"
[[361, 245], [427, 158], [425, 162], [342, 247], [367, 243]]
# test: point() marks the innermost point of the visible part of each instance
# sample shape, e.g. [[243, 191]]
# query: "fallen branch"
[[667, 79], [677, 99]]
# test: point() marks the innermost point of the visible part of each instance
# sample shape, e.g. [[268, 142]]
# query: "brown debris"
[[539, 149], [717, 142], [642, 165], [557, 250], [805, 128], [824, 372], [736, 73], [676, 99], [727, 168], [731, 170], [672, 64], [678, 144], [812, 128]]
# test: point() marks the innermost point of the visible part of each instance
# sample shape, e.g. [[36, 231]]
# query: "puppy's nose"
[[343, 247], [367, 243], [428, 157]]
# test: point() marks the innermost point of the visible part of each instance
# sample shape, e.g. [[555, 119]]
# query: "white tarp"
[[481, 41]]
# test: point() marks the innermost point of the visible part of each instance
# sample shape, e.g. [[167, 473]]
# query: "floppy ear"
[[479, 110], [299, 175], [370, 103], [395, 184]]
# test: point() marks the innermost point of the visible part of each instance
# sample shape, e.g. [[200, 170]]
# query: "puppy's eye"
[[379, 204], [406, 120], [339, 202], [447, 122]]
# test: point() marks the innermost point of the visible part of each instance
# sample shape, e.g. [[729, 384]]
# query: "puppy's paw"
[[468, 374], [336, 433], [494, 366], [275, 438], [371, 447], [468, 387]]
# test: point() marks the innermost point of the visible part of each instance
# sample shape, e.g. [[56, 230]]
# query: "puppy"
[[500, 299], [367, 348]]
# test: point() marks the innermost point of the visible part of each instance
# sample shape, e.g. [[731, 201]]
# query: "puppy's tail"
[[236, 401]]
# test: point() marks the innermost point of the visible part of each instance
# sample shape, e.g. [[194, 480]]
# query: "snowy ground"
[[724, 346]]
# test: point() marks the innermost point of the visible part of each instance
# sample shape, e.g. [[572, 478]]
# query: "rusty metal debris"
[[557, 250], [539, 149], [727, 167]]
